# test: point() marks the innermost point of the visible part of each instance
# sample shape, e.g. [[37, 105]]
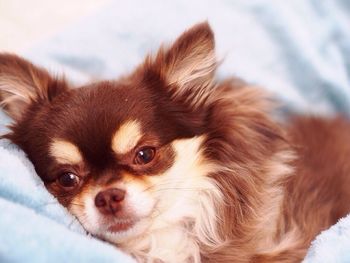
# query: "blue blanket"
[[299, 50]]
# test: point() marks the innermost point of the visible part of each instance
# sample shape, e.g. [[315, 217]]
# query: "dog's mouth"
[[122, 230], [121, 225]]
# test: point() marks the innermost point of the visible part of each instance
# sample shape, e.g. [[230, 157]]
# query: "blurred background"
[[25, 23]]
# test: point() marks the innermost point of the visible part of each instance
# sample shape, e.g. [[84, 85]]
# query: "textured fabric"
[[298, 50], [332, 245]]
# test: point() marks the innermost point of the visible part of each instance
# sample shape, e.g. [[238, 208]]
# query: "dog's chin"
[[122, 230]]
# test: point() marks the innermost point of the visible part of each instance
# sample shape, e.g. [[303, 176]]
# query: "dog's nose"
[[109, 201]]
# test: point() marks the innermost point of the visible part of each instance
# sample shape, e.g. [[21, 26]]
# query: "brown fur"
[[281, 184]]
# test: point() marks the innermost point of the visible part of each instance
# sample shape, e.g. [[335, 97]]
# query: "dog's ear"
[[188, 66], [22, 83]]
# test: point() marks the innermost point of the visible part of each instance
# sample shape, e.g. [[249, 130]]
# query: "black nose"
[[109, 201]]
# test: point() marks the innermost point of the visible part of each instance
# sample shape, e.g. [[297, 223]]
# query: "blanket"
[[298, 50], [332, 245]]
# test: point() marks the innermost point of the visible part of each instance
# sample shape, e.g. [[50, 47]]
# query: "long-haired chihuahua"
[[172, 165]]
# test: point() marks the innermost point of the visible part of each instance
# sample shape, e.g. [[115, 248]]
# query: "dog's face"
[[123, 156]]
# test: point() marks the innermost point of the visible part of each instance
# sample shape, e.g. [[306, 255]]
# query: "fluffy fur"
[[222, 181]]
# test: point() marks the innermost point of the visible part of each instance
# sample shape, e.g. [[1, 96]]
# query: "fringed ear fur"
[[22, 83], [189, 65]]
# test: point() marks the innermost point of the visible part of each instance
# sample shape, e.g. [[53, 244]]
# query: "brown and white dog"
[[172, 165]]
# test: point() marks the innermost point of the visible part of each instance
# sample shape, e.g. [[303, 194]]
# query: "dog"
[[172, 165]]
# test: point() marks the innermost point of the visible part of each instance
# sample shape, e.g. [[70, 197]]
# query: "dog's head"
[[124, 156]]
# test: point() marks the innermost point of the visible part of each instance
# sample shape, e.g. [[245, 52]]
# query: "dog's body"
[[173, 166]]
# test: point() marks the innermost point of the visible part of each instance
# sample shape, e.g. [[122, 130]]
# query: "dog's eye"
[[145, 155], [68, 180]]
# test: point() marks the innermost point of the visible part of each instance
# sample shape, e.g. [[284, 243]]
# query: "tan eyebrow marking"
[[65, 152], [126, 137]]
